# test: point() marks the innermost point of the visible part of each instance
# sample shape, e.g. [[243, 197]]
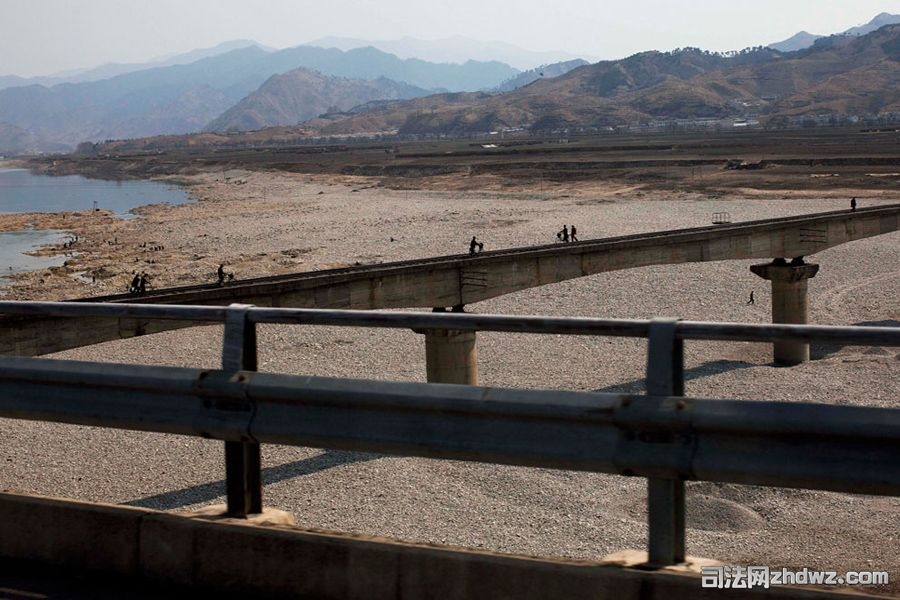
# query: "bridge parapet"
[[228, 558]]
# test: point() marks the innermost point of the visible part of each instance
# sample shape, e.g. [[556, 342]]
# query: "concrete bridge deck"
[[459, 280]]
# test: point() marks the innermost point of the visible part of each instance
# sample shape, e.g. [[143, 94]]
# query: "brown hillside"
[[838, 75], [302, 94]]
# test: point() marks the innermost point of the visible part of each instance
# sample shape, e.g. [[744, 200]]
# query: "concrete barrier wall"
[[287, 561], [75, 534]]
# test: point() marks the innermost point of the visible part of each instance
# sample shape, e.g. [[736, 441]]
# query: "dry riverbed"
[[268, 223]]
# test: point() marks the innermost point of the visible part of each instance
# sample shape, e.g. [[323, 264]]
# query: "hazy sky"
[[41, 37]]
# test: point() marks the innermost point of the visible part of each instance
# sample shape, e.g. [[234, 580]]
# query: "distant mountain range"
[[302, 94], [182, 98], [113, 69], [241, 86], [804, 39], [455, 49], [543, 72], [839, 76]]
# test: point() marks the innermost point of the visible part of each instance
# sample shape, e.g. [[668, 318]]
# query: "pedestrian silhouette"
[[142, 285], [135, 283], [852, 204], [574, 239], [221, 274], [475, 244], [752, 300]]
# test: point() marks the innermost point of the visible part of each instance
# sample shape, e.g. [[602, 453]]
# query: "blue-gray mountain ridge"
[[184, 98]]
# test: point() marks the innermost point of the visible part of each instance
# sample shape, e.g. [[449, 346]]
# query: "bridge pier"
[[790, 303], [450, 355]]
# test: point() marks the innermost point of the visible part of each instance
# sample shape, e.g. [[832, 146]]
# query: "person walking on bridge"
[[221, 274], [574, 237], [135, 283], [752, 300], [565, 233], [475, 244], [852, 204]]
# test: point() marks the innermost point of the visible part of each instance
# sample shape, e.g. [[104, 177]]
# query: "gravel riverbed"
[[264, 223]]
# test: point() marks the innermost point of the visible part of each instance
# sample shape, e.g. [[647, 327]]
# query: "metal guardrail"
[[661, 435]]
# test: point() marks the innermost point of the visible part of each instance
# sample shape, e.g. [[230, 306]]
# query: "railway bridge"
[[453, 282]]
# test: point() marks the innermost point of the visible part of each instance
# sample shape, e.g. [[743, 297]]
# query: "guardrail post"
[[665, 497], [243, 465]]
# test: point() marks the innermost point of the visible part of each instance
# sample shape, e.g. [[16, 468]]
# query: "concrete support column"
[[451, 357], [790, 303]]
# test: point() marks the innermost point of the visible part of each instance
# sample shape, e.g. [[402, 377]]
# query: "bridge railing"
[[662, 435]]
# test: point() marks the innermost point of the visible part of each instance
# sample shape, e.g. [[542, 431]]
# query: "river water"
[[24, 192], [14, 244]]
